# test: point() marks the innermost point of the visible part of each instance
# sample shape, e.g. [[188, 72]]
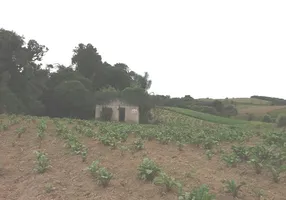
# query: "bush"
[[281, 120], [250, 116], [204, 109], [106, 114], [229, 110], [267, 118]]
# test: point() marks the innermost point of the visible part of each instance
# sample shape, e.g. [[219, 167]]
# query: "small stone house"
[[121, 111]]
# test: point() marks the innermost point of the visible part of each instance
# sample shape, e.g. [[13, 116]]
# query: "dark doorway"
[[121, 114]]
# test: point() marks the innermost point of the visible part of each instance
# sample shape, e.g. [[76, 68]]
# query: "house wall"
[[130, 115], [131, 112]]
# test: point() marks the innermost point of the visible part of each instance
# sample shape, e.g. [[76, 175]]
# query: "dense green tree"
[[87, 60], [29, 88], [22, 79]]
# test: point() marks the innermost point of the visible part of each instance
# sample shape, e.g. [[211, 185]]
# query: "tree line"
[[28, 87]]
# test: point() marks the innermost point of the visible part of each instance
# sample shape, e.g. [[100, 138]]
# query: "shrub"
[[229, 110], [267, 118], [148, 170], [250, 116], [281, 120]]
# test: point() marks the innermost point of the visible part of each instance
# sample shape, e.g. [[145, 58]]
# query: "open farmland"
[[259, 111], [252, 101], [256, 107], [192, 151], [205, 116]]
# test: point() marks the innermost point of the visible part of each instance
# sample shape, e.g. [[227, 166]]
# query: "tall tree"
[[87, 60], [20, 72], [140, 81]]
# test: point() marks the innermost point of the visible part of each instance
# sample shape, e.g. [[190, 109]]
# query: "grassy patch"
[[205, 116]]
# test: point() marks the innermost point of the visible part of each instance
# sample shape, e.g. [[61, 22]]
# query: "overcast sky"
[[202, 48]]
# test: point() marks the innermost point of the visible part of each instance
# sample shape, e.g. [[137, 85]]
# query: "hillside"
[[205, 116], [252, 106], [183, 147]]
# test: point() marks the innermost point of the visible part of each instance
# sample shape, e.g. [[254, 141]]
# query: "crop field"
[[259, 111], [251, 101], [179, 158], [205, 116]]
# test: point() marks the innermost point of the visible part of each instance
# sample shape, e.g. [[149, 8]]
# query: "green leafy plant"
[[201, 193], [209, 154], [42, 126], [74, 144], [93, 168], [257, 164], [138, 144], [232, 187], [267, 118], [276, 171], [148, 170], [123, 149], [102, 175], [84, 154], [231, 160], [20, 131], [259, 193], [242, 152], [166, 181], [49, 188], [42, 163], [281, 120], [180, 145]]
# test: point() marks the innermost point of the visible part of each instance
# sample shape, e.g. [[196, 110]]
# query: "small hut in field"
[[117, 110]]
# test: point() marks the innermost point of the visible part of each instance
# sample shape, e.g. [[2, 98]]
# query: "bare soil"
[[68, 177]]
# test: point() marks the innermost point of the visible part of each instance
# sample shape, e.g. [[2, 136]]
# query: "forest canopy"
[[28, 87]]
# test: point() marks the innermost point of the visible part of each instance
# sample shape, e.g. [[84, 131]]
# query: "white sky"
[[203, 48]]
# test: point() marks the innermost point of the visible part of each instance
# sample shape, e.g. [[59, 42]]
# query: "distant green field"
[[242, 101], [276, 112], [206, 117]]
